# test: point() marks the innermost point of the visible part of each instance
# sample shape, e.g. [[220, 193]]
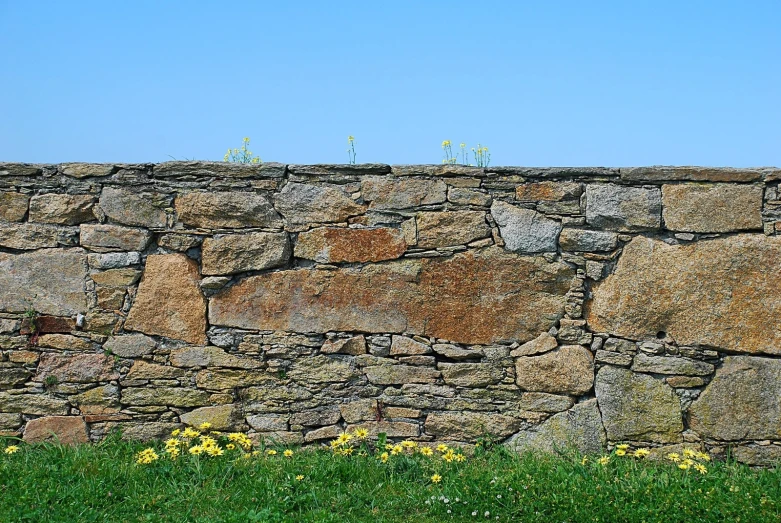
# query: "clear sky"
[[540, 83]]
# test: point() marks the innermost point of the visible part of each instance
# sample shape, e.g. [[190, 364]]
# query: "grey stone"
[[718, 207], [620, 208], [671, 365], [463, 196], [179, 242], [741, 402], [113, 238], [637, 407], [267, 423], [201, 169], [400, 374], [51, 281], [544, 402], [525, 230], [613, 358], [130, 208], [586, 240], [471, 374], [539, 345], [454, 352], [658, 173], [86, 170], [404, 346], [62, 209], [226, 210], [169, 396], [470, 426], [233, 253], [114, 260], [579, 428], [304, 204], [33, 404], [130, 345], [12, 377]]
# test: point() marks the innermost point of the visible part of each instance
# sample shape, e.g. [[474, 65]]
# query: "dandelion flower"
[[622, 446], [407, 444], [176, 432], [683, 466], [426, 451], [460, 458], [689, 453], [442, 447], [300, 477], [350, 139], [397, 449], [641, 453], [361, 433], [144, 457], [584, 460], [10, 449], [604, 460], [620, 452], [196, 450], [674, 457], [384, 457], [190, 433], [699, 467], [271, 452], [230, 446], [436, 478]]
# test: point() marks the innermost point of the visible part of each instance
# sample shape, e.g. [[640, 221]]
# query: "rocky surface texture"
[[545, 307]]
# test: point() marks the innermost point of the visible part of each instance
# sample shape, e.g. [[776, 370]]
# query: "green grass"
[[103, 483]]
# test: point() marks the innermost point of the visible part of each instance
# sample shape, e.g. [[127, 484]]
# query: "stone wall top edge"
[[194, 169]]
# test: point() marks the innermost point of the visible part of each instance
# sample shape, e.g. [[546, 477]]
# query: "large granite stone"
[[637, 407], [621, 208], [13, 206], [255, 251], [470, 426], [443, 229], [742, 402], [63, 209], [339, 244], [401, 193], [568, 370], [659, 173], [169, 396], [130, 208], [304, 204], [169, 301], [221, 417], [671, 365], [130, 345], [33, 404], [29, 236], [525, 230], [718, 207], [67, 430], [718, 293], [474, 297], [471, 374], [212, 210], [548, 191], [579, 428], [51, 281]]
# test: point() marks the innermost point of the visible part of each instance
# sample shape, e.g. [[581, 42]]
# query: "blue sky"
[[539, 83]]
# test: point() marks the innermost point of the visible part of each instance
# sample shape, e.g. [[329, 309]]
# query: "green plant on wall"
[[242, 155], [480, 153]]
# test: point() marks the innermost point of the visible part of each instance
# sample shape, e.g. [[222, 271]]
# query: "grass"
[[103, 482]]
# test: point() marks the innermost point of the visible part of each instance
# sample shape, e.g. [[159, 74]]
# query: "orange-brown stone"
[[718, 293], [169, 301], [68, 430], [339, 244], [474, 297], [548, 191]]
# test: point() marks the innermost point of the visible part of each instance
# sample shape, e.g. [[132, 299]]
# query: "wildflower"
[[172, 442], [683, 466], [230, 446], [702, 456], [407, 444], [344, 437], [205, 425], [300, 477], [215, 450], [622, 446], [460, 458], [620, 452], [674, 457], [442, 447], [176, 432], [436, 478], [144, 457], [641, 453], [190, 433], [10, 449], [256, 453], [245, 140], [397, 449], [584, 460], [173, 452], [350, 139], [426, 451], [196, 450], [361, 433], [462, 145], [446, 143], [384, 457], [271, 452], [449, 456], [288, 453], [604, 460], [689, 453], [347, 451], [389, 446]]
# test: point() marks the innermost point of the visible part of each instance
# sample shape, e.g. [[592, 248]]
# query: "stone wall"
[[553, 306]]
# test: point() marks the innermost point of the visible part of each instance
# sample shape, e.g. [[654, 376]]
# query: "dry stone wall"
[[545, 307]]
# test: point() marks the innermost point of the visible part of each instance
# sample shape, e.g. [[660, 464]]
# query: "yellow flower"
[[426, 451], [674, 457], [689, 453], [256, 453], [604, 460], [397, 449], [442, 447], [344, 437], [384, 457], [407, 444], [389, 446], [436, 478], [271, 452], [460, 458], [622, 446], [347, 451], [703, 456], [449, 456], [361, 433], [245, 140], [190, 433], [683, 466], [642, 453], [10, 449], [584, 460], [176, 432], [144, 457], [196, 450], [173, 452], [300, 477], [699, 467], [288, 453], [350, 139], [620, 452], [215, 450], [230, 446], [462, 145]]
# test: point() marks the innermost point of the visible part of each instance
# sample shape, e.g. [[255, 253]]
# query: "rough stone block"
[[305, 204], [212, 210], [393, 193], [442, 229], [470, 426], [68, 430], [621, 208], [568, 370], [13, 206], [579, 428], [525, 230], [339, 244], [63, 209], [548, 191], [113, 238], [233, 253], [585, 240], [130, 208], [716, 207]]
